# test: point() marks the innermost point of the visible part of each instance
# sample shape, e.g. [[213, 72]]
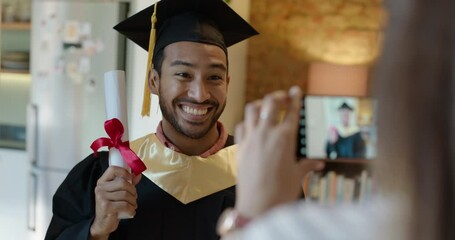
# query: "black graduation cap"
[[205, 21], [345, 106]]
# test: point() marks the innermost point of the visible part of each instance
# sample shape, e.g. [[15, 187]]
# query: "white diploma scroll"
[[115, 98]]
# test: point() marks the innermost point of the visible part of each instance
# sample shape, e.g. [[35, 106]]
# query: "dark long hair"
[[414, 83]]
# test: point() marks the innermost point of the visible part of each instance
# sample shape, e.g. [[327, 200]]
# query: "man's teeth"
[[194, 111]]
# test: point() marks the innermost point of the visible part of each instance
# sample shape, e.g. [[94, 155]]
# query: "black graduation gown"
[[352, 146], [158, 216]]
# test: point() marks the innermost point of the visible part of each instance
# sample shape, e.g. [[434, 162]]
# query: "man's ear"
[[154, 81]]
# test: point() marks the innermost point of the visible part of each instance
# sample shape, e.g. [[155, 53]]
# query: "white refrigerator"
[[73, 44]]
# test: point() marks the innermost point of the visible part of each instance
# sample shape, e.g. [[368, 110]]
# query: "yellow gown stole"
[[187, 178]]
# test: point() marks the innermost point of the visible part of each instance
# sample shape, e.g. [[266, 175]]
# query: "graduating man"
[[190, 174], [345, 141]]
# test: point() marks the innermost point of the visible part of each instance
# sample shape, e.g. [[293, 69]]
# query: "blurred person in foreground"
[[415, 166]]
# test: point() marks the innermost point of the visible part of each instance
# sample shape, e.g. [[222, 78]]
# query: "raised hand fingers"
[[111, 207], [115, 191], [251, 115], [239, 132], [113, 172], [292, 114], [117, 179], [272, 106]]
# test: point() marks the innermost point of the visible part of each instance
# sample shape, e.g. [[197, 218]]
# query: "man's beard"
[[171, 118]]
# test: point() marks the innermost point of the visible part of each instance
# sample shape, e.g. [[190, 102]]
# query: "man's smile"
[[195, 111]]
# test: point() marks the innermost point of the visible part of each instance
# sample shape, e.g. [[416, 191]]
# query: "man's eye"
[[215, 77], [183, 74]]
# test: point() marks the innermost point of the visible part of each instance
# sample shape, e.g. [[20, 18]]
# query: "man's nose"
[[198, 91]]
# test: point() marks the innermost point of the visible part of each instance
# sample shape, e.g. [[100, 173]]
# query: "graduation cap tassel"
[[147, 95]]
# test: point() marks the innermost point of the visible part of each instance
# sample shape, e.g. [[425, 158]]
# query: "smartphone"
[[337, 127]]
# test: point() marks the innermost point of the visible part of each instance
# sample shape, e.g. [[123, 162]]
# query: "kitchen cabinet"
[[15, 47], [15, 79]]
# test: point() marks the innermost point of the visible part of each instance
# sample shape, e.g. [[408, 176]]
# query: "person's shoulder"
[[90, 167], [101, 160]]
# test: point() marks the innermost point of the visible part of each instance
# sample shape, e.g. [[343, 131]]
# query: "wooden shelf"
[[20, 26], [18, 75], [18, 71]]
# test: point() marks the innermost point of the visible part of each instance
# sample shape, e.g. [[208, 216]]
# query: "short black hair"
[[157, 61]]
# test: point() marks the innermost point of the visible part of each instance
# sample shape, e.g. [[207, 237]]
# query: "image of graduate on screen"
[[340, 127]]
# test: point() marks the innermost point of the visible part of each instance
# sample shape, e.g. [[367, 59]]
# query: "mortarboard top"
[[186, 26], [205, 21], [345, 106]]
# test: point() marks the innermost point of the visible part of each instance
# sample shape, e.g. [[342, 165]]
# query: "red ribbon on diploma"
[[115, 130]]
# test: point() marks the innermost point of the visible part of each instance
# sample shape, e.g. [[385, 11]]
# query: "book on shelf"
[[333, 188]]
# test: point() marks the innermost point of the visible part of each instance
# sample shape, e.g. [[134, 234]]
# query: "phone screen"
[[337, 127]]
